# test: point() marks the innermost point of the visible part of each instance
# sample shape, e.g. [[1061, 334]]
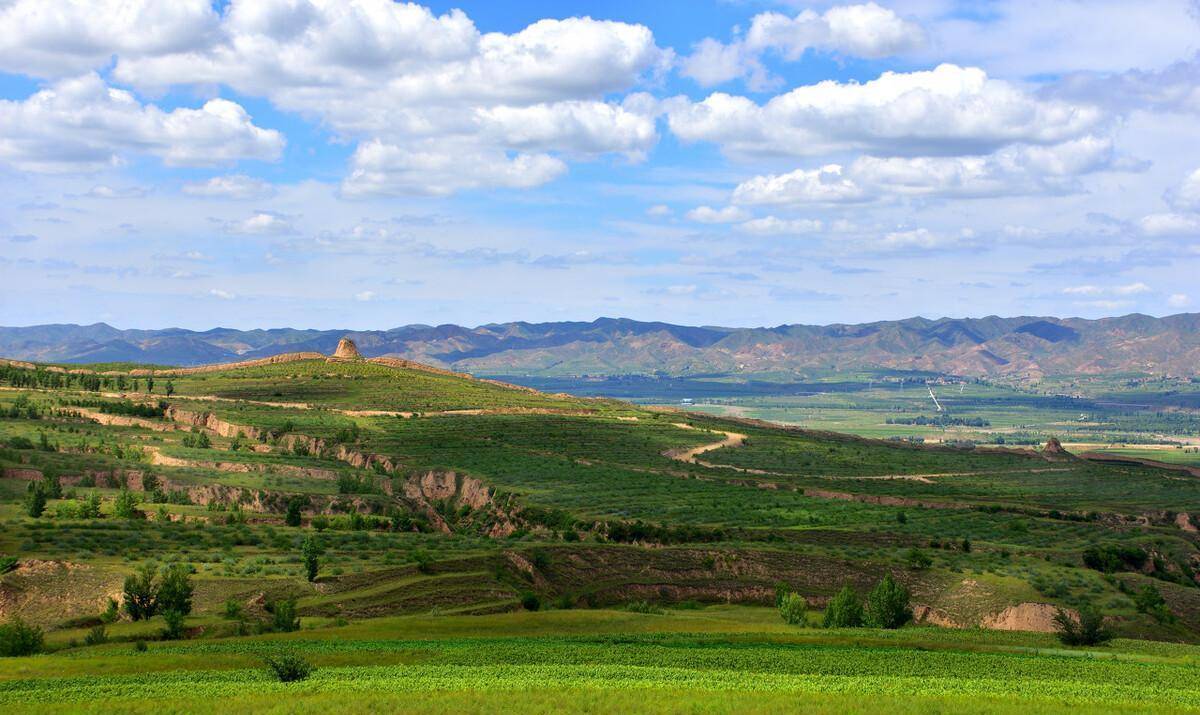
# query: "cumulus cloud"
[[1187, 196], [1170, 224], [70, 37], [1095, 290], [262, 223], [1179, 300], [947, 111], [377, 168], [222, 294], [774, 226], [866, 30], [1014, 170], [707, 214], [81, 124], [233, 186]]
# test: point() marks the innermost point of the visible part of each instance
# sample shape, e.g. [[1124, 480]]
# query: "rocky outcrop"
[[346, 350], [1054, 451], [1026, 616]]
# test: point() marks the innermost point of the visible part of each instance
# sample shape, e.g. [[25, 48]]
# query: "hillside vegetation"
[[433, 542]]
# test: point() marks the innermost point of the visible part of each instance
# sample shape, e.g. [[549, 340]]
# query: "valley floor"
[[714, 659]]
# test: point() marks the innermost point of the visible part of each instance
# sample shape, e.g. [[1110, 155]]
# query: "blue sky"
[[368, 164]]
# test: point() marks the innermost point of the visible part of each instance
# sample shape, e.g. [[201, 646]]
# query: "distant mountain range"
[[1019, 347]]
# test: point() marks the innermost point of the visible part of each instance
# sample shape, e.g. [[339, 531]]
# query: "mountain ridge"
[[1026, 346]]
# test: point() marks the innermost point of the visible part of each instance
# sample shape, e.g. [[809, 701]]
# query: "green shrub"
[[8, 563], [18, 638], [530, 601], [638, 607], [887, 605], [283, 616], [310, 554], [1088, 629], [844, 610], [288, 667], [794, 609], [175, 590], [140, 646], [35, 500], [141, 596], [233, 609], [173, 625], [1149, 600], [97, 636], [125, 506], [917, 559]]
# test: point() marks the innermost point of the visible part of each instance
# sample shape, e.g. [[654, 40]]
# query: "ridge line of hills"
[[1024, 346]]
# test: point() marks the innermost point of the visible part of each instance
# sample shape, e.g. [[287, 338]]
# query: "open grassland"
[[715, 660]]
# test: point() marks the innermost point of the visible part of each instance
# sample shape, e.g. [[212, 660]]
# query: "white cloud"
[[81, 124], [1170, 224], [1187, 196], [233, 186], [1179, 300], [658, 210], [382, 169], [825, 185], [918, 238], [262, 223], [774, 226], [950, 110], [103, 191], [707, 214], [364, 296], [68, 37], [222, 294], [1014, 170], [1120, 290], [866, 30]]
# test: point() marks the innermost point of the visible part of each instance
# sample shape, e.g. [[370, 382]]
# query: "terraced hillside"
[[425, 500]]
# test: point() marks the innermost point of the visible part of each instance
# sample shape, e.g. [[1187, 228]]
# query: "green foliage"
[[111, 612], [35, 500], [8, 563], [125, 505], [175, 590], [283, 616], [887, 605], [17, 638], [196, 440], [97, 636], [1110, 558], [295, 507], [917, 559], [530, 601], [172, 625], [139, 646], [1149, 600], [637, 607], [288, 667], [233, 610], [794, 609], [310, 554], [1088, 629], [845, 610], [141, 595]]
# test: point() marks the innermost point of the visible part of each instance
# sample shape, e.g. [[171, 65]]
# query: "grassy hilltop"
[[477, 546]]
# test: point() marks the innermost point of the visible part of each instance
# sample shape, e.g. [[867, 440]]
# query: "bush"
[[887, 605], [35, 500], [1089, 629], [97, 636], [530, 601], [283, 616], [844, 610], [310, 554], [917, 559], [125, 506], [233, 610], [18, 638], [638, 607], [794, 609], [140, 646], [288, 667], [111, 612], [1149, 600], [173, 625], [8, 563]]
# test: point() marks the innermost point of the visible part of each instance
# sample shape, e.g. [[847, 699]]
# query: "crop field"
[[434, 543]]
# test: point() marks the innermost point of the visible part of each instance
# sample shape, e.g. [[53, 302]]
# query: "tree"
[[887, 605], [170, 388], [310, 552], [141, 597], [175, 589], [90, 508], [288, 667], [150, 384], [125, 505], [1088, 629], [294, 507], [172, 625], [794, 609], [35, 500], [844, 610]]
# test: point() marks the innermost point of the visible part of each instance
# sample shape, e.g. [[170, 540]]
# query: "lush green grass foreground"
[[720, 659]]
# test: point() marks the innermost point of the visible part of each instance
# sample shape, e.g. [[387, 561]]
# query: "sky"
[[367, 164]]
